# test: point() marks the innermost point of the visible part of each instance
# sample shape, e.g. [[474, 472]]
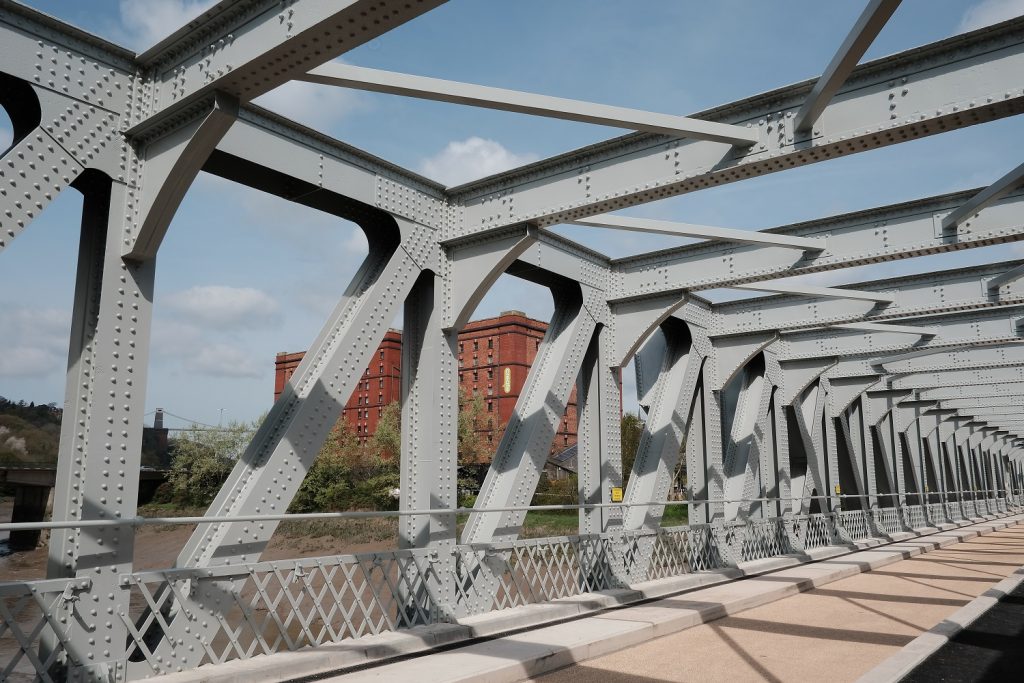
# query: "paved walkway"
[[837, 632]]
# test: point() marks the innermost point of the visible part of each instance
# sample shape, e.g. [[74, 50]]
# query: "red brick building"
[[494, 355]]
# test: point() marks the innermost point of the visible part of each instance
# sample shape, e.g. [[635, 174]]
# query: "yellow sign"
[[838, 490], [506, 383], [616, 494]]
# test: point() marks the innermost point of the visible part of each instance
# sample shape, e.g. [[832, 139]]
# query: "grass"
[[538, 524]]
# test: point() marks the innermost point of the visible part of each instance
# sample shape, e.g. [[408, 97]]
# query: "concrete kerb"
[[929, 642], [787, 574]]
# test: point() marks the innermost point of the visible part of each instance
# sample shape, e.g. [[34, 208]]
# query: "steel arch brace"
[[668, 414], [170, 164], [477, 265]]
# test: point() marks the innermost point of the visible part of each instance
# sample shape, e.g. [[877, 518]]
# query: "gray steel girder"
[[916, 295], [637, 168]]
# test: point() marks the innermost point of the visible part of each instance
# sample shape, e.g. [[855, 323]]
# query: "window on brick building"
[[380, 397], [380, 354], [380, 383], [476, 345], [476, 376], [490, 438], [490, 391], [460, 362], [565, 439], [536, 344], [475, 361], [462, 346], [380, 411], [490, 342], [490, 423], [490, 407], [380, 368], [366, 371], [490, 373]]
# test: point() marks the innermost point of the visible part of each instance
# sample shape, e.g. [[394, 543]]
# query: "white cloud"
[[317, 106], [224, 307], [225, 360], [35, 340], [146, 22], [991, 12], [472, 158]]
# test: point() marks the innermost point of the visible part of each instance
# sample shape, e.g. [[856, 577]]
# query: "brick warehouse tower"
[[495, 355]]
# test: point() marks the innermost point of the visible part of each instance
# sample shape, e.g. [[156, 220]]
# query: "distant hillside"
[[28, 433]]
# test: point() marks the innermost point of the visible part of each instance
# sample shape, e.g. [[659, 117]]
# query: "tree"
[[328, 481], [387, 440], [631, 429], [202, 459], [472, 448]]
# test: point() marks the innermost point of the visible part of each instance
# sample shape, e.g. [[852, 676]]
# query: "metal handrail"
[[364, 514]]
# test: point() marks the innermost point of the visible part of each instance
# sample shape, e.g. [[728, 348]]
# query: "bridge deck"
[[861, 609], [840, 630]]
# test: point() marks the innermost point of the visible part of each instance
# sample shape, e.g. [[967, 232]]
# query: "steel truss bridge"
[[811, 417]]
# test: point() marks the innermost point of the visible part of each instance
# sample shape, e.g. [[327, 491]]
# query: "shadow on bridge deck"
[[837, 632]]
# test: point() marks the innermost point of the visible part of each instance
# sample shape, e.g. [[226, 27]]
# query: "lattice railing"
[[282, 605], [888, 520], [757, 539], [671, 551], [970, 509], [914, 516], [954, 511], [508, 575], [35, 618], [937, 514], [855, 524], [815, 531]]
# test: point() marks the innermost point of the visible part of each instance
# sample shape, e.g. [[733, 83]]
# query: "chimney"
[[158, 419]]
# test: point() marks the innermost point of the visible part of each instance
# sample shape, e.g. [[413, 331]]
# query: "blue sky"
[[242, 275]]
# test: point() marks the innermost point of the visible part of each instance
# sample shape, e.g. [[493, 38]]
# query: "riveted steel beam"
[[985, 327], [702, 232], [821, 292], [248, 48], [983, 199], [854, 239], [520, 456], [870, 22], [979, 67], [668, 413], [916, 295], [438, 90], [887, 328]]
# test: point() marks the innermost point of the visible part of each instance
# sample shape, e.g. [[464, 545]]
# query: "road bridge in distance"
[[33, 485]]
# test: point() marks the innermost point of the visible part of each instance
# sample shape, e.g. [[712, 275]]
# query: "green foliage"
[[28, 433], [349, 476], [387, 440], [202, 459], [556, 491], [632, 428], [473, 449]]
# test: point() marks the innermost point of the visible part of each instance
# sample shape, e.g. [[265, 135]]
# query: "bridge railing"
[[285, 605]]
